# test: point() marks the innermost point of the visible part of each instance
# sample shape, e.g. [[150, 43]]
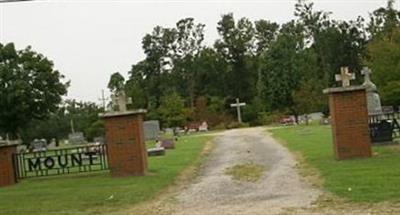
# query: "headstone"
[[387, 109], [381, 132], [76, 138], [151, 129], [52, 144], [38, 145], [168, 144], [203, 126], [159, 151], [169, 131], [99, 140], [373, 99]]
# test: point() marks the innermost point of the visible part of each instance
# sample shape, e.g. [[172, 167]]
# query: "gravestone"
[[373, 99], [158, 151], [381, 132], [99, 140], [38, 145], [76, 138], [387, 109], [151, 129], [52, 144], [168, 144], [203, 126], [169, 131], [349, 113]]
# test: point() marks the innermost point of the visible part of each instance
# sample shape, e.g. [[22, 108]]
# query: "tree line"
[[275, 68]]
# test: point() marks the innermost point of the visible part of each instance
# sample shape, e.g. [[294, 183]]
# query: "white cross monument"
[[238, 105], [345, 76], [119, 99]]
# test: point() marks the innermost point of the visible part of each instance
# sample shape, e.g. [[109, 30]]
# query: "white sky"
[[89, 40]]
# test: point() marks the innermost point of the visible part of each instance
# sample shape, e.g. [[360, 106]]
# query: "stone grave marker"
[[151, 129], [52, 144], [387, 109], [38, 145], [158, 151], [168, 144], [373, 99], [76, 138]]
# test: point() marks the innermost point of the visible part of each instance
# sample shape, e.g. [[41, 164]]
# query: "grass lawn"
[[360, 180], [99, 192]]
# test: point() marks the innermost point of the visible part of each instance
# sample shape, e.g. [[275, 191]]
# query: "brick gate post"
[[7, 168], [127, 153], [348, 108]]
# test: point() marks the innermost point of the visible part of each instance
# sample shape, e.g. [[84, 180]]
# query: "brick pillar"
[[7, 172], [349, 112], [127, 153]]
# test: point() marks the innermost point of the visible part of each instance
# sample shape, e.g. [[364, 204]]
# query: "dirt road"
[[279, 189]]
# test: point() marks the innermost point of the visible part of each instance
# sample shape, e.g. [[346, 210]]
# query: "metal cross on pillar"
[[238, 105], [345, 76]]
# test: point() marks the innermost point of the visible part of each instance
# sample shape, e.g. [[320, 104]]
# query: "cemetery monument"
[[237, 105], [373, 99]]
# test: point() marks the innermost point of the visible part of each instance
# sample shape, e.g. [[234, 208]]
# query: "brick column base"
[[7, 172], [127, 153], [348, 108]]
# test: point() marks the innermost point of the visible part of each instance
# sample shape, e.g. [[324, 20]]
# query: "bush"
[[269, 118], [220, 126], [232, 125]]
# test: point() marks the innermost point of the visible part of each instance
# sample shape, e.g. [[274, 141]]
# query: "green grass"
[[246, 172], [91, 192], [370, 180]]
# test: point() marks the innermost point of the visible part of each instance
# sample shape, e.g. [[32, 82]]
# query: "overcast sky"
[[89, 40]]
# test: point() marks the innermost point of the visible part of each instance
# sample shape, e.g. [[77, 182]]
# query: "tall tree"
[[116, 82], [237, 47], [30, 88]]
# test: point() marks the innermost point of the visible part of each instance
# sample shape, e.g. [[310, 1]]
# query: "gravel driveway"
[[280, 188]]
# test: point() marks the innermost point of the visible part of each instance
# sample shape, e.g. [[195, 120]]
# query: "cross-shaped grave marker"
[[366, 72], [119, 99], [238, 105], [345, 76]]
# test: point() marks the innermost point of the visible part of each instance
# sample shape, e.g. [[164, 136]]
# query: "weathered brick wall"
[[7, 174], [127, 154], [350, 124]]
